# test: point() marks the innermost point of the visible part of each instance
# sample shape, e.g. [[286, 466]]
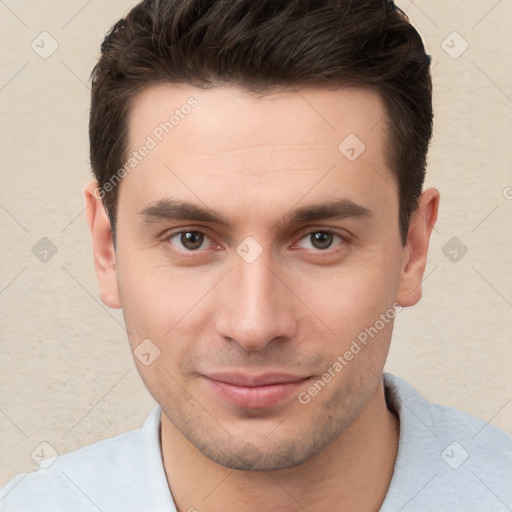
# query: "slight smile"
[[254, 392]]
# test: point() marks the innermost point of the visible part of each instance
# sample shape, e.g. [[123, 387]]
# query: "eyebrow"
[[174, 209]]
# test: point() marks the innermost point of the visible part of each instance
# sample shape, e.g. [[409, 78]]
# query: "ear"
[[415, 252], [103, 246]]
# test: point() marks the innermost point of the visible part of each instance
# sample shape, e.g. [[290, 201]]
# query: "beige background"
[[67, 376]]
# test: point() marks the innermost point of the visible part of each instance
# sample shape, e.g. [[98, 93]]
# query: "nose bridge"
[[258, 310], [256, 284]]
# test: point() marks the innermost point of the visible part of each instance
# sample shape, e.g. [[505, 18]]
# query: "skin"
[[294, 309]]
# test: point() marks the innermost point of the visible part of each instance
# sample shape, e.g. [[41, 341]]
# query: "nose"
[[257, 307]]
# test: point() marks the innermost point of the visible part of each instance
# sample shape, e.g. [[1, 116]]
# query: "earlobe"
[[415, 252], [103, 246]]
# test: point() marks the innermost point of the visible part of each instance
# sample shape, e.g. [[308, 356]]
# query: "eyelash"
[[342, 237]]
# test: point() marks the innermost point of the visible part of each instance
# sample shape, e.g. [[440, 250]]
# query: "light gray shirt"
[[447, 461]]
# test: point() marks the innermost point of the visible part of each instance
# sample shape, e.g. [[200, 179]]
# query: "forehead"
[[205, 142], [309, 114]]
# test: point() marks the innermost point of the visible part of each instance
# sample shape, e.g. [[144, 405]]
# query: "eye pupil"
[[192, 239], [322, 239]]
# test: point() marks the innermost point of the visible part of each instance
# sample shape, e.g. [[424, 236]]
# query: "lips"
[[256, 391]]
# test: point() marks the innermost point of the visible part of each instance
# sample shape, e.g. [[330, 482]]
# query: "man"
[[258, 215]]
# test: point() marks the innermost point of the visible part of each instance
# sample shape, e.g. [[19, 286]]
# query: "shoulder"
[[446, 456], [442, 420], [74, 478], [94, 477]]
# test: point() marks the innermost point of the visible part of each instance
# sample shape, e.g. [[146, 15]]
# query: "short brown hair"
[[263, 46]]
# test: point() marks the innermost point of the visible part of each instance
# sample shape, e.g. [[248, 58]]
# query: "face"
[[253, 250]]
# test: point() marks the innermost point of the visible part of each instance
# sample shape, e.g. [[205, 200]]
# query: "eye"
[[320, 240], [188, 240]]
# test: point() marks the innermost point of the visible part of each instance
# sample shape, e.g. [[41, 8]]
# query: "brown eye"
[[320, 240], [188, 240]]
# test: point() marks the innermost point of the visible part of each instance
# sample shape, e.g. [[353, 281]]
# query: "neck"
[[352, 472]]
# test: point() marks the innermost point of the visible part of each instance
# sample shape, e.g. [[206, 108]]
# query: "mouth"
[[256, 391]]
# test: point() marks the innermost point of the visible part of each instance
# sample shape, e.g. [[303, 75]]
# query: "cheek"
[[353, 296], [157, 305], [158, 300]]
